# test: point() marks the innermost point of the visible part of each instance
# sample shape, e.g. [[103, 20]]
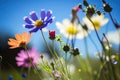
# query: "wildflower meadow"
[[60, 40]]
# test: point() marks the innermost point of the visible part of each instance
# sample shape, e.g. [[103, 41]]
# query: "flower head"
[[70, 30], [35, 24], [10, 77], [98, 21], [20, 41], [114, 36], [27, 58], [52, 34]]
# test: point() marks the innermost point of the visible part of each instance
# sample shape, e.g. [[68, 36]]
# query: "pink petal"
[[20, 63], [19, 59]]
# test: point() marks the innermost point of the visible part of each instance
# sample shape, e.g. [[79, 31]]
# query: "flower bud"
[[52, 34], [75, 52], [66, 48], [107, 8], [85, 3], [90, 11]]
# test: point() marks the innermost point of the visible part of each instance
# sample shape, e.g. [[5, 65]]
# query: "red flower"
[[52, 34]]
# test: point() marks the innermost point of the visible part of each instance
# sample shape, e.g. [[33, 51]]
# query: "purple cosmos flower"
[[25, 61], [34, 23]]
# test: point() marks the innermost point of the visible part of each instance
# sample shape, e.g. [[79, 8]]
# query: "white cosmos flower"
[[114, 36], [70, 30], [98, 21]]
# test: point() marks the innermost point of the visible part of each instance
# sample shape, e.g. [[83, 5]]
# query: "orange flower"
[[20, 41]]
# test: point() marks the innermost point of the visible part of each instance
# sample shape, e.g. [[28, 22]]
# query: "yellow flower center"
[[38, 23], [72, 30], [97, 24]]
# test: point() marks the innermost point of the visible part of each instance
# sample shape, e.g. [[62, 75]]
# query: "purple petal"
[[28, 26], [33, 16], [34, 30], [46, 23], [49, 14], [42, 14], [49, 21], [43, 26], [27, 20]]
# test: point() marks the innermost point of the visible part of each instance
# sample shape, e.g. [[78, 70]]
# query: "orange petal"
[[18, 37], [12, 47], [12, 40]]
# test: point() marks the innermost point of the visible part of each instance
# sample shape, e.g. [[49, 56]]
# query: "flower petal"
[[18, 37], [28, 26], [13, 47], [20, 63], [27, 20], [33, 15], [42, 14], [49, 14], [19, 59], [43, 26], [50, 21], [34, 30]]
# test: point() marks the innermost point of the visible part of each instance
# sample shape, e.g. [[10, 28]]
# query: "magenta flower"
[[25, 61], [34, 23]]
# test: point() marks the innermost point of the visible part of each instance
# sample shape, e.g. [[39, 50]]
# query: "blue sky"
[[13, 11]]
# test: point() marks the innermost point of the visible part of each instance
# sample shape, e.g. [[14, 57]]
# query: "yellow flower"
[[20, 41], [98, 21], [70, 30]]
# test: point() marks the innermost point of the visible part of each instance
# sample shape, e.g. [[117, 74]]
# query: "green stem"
[[98, 36], [99, 73], [111, 64], [47, 44], [59, 59]]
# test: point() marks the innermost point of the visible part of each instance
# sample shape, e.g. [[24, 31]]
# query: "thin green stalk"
[[58, 57], [51, 51], [47, 44], [111, 64], [98, 36], [28, 76], [101, 68], [48, 47], [83, 66], [87, 58], [60, 49], [66, 64]]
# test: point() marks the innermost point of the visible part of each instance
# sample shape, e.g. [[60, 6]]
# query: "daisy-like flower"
[[98, 21], [70, 30], [27, 58], [35, 24], [114, 36], [20, 41]]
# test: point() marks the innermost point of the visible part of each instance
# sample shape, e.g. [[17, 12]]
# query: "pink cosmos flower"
[[27, 58]]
